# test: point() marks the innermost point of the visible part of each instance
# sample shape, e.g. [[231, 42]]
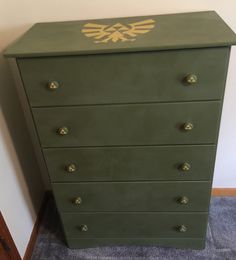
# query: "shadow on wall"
[[14, 117]]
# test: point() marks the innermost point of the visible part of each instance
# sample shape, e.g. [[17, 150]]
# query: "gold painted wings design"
[[102, 33]]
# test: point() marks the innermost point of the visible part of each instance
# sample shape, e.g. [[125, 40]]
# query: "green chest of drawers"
[[127, 114]]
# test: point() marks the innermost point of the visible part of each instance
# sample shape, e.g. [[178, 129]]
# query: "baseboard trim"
[[223, 192], [6, 236], [35, 231]]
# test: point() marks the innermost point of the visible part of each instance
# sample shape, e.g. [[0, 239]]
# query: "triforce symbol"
[[117, 32]]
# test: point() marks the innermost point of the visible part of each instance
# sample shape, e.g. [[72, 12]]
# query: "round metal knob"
[[83, 228], [191, 79], [78, 201], [183, 200], [63, 130], [71, 168], [53, 85], [182, 228], [188, 126], [185, 167]]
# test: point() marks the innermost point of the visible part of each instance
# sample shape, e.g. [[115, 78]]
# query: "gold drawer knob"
[[83, 228], [185, 167], [71, 168], [78, 201], [183, 200], [182, 228], [188, 126], [53, 85], [191, 79], [63, 130]]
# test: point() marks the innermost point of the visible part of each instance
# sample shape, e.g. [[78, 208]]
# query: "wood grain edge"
[[223, 192], [35, 231], [5, 233]]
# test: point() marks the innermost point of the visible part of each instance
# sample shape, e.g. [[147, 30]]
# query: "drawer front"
[[132, 196], [125, 78], [190, 162], [128, 124], [192, 243], [138, 225]]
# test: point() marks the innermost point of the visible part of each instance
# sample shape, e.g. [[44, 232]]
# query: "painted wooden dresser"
[[127, 114]]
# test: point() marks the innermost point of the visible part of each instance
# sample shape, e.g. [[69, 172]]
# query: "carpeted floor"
[[220, 245]]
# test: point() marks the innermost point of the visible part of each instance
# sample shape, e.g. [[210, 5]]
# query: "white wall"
[[21, 187], [15, 18]]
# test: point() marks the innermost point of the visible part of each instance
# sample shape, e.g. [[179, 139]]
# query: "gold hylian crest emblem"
[[103, 33]]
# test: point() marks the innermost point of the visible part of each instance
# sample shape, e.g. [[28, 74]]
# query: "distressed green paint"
[[192, 243], [124, 109], [171, 31], [135, 224], [126, 78], [135, 124], [132, 196], [131, 163]]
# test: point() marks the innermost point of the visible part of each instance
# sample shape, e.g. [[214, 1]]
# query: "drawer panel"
[[137, 225], [193, 243], [125, 78], [189, 162], [141, 124], [132, 196]]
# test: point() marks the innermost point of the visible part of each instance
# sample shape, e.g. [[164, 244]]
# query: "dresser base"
[[186, 243]]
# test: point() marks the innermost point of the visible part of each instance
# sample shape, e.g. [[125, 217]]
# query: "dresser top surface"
[[127, 34]]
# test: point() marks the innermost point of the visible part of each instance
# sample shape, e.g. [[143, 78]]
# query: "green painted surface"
[[130, 97], [141, 124], [130, 163], [137, 225], [192, 243], [132, 196], [172, 31], [126, 78]]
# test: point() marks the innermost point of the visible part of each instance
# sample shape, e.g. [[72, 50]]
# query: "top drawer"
[[126, 77]]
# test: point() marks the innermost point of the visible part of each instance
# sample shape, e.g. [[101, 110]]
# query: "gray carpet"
[[220, 245]]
